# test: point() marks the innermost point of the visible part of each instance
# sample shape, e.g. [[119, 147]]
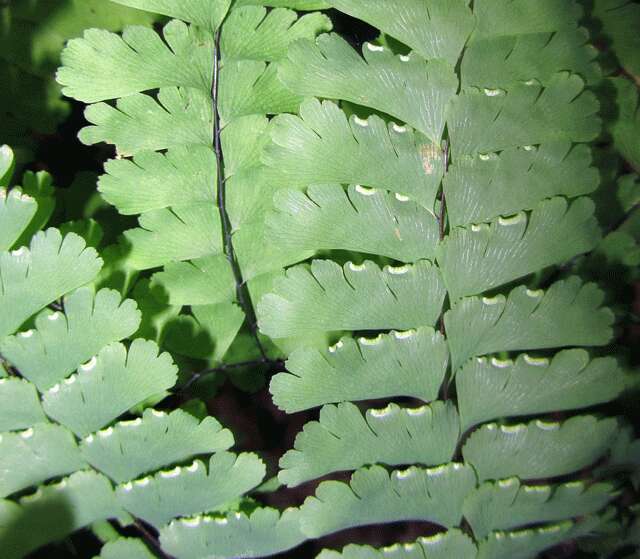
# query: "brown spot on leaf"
[[429, 154]]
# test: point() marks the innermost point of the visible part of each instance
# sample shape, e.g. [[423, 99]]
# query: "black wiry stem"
[[441, 225], [242, 292], [272, 364], [443, 200], [443, 209], [151, 540]]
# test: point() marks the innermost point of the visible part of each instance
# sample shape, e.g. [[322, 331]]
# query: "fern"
[[400, 224]]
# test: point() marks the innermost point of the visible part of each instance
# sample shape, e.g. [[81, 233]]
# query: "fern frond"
[[344, 439], [539, 449], [496, 94], [361, 370], [60, 343], [166, 439]]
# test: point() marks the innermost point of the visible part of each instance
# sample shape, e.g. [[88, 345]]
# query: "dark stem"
[[272, 365], [151, 540], [443, 200], [441, 225], [242, 292]]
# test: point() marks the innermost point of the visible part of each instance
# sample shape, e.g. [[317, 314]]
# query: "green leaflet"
[[326, 297], [178, 233], [522, 544], [626, 126], [138, 122], [192, 489], [490, 389], [293, 4], [7, 165], [249, 87], [202, 281], [166, 438], [55, 511], [16, 212], [362, 220], [207, 334], [19, 405], [35, 455], [252, 33], [441, 546], [520, 17], [508, 504], [264, 532], [108, 385], [568, 313], [201, 12], [482, 257], [374, 496], [344, 439], [483, 187], [153, 181], [523, 115], [104, 65], [300, 146], [617, 19], [406, 87], [538, 449], [437, 29], [504, 60], [125, 548], [411, 363], [39, 186], [33, 277], [61, 342]]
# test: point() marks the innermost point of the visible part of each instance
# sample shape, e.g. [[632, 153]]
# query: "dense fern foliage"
[[414, 234]]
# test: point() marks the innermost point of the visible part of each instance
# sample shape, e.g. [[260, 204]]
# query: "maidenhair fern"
[[409, 223]]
